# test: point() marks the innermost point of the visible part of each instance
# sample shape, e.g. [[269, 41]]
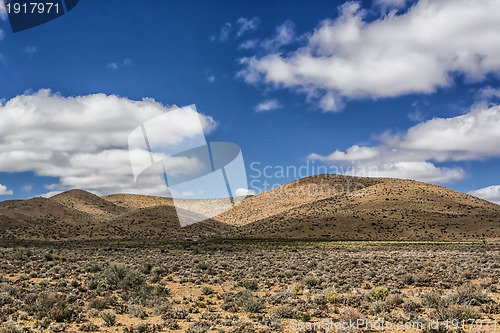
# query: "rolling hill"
[[318, 207]]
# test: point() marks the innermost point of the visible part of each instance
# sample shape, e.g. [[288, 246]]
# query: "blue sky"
[[403, 88]]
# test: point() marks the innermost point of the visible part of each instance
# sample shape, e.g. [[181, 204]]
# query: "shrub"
[[432, 300], [408, 279], [251, 284], [469, 295], [410, 305], [55, 307], [350, 315], [199, 327], [457, 312], [245, 327], [120, 276], [139, 328], [171, 324], [378, 307], [248, 302], [393, 301], [109, 318], [207, 290], [92, 283], [253, 305], [273, 322], [331, 296], [137, 311], [176, 312], [285, 311], [99, 303], [311, 281], [88, 327], [380, 293]]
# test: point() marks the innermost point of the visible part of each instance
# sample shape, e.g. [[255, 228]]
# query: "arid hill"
[[319, 207], [339, 207], [80, 215]]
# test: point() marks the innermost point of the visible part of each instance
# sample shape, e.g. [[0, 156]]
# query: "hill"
[[319, 207], [375, 209]]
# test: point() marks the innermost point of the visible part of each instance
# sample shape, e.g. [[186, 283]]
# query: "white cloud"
[[488, 93], [241, 192], [284, 35], [83, 140], [415, 52], [51, 194], [2, 34], [490, 193], [31, 50], [246, 25], [126, 62], [268, 105], [416, 116], [3, 11], [223, 33], [249, 44], [4, 191], [472, 136], [390, 4]]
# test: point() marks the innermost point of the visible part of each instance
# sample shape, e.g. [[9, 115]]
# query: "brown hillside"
[[136, 201], [320, 207], [292, 195], [89, 203], [41, 218], [388, 209]]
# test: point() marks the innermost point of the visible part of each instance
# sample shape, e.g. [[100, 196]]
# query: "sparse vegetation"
[[241, 286]]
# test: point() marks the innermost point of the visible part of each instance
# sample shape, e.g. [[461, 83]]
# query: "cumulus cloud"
[[490, 193], [268, 105], [241, 192], [416, 52], [245, 24], [4, 191], [83, 140], [472, 136]]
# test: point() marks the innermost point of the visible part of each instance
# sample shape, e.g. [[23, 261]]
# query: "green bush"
[[331, 296], [380, 293]]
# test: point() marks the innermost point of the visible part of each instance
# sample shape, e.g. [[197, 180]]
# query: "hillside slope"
[[318, 207], [385, 209]]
